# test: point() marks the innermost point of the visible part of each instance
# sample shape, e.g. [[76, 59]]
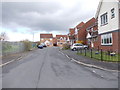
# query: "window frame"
[[112, 13], [107, 39], [104, 19]]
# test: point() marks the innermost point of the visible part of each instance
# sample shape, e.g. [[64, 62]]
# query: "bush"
[[27, 44], [66, 46]]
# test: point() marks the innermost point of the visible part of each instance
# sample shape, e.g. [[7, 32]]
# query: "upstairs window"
[[112, 13], [104, 19]]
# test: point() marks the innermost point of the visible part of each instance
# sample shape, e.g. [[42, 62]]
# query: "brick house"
[[73, 33], [61, 39], [108, 15], [46, 39], [54, 41], [72, 36], [92, 33], [82, 31], [77, 32]]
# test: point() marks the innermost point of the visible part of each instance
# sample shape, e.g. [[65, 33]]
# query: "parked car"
[[77, 46], [40, 46], [44, 45]]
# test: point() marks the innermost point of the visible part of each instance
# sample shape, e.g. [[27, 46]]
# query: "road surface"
[[48, 68]]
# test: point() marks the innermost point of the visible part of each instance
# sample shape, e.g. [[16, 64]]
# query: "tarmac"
[[113, 66]]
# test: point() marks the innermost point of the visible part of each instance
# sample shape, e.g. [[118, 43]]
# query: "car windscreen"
[[78, 44]]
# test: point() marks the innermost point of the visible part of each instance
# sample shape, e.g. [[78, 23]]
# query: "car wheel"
[[74, 49]]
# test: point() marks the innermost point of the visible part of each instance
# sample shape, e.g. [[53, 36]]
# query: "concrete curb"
[[1, 65], [88, 65], [11, 61]]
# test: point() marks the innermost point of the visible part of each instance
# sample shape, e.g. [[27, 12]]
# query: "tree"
[[3, 36]]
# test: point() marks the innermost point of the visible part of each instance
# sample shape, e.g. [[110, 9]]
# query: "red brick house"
[[77, 28], [61, 39], [54, 41], [92, 33], [72, 35], [82, 31], [109, 25], [46, 39]]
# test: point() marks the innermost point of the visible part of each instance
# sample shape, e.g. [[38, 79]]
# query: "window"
[[104, 19], [64, 38], [112, 13], [106, 39], [42, 39], [61, 38], [50, 39]]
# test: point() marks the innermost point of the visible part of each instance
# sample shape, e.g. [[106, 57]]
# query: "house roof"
[[80, 25], [59, 36], [72, 31], [88, 36], [46, 36], [89, 22], [98, 8], [100, 4]]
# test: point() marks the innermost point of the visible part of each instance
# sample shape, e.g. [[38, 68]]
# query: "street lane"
[[48, 68]]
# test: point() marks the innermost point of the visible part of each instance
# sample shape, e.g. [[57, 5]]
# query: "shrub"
[[27, 45], [66, 46]]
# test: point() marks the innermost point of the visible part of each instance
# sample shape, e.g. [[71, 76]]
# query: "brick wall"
[[82, 33], [119, 41], [72, 31], [114, 47]]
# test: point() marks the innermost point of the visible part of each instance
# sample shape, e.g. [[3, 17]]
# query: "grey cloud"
[[48, 16]]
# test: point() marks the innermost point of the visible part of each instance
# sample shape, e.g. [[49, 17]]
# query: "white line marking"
[[10, 61]]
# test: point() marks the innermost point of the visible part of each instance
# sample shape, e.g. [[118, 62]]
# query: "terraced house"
[[47, 39], [61, 39], [108, 15]]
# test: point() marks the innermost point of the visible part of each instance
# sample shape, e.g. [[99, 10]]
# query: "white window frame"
[[104, 19], [112, 13], [50, 39], [64, 38], [105, 39], [61, 38], [42, 39], [76, 31]]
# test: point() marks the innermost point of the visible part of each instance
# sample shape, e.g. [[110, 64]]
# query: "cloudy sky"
[[20, 20]]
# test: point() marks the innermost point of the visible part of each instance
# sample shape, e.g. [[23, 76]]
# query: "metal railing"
[[100, 54]]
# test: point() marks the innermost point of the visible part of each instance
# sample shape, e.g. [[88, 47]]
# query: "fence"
[[99, 54], [14, 47]]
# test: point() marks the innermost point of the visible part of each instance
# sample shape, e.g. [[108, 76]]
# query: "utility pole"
[[33, 36]]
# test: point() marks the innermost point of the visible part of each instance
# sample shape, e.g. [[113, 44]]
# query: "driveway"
[[48, 68]]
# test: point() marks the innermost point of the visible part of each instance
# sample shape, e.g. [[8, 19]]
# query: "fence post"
[[81, 51], [91, 53], [85, 52], [77, 51], [98, 48], [101, 55]]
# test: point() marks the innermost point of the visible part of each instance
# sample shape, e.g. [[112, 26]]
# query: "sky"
[[26, 19]]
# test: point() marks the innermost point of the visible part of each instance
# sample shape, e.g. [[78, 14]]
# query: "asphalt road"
[[48, 68]]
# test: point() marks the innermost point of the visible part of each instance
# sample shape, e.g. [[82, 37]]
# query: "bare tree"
[[3, 36]]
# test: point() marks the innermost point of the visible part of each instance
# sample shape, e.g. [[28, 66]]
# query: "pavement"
[[49, 68], [113, 66], [16, 56]]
